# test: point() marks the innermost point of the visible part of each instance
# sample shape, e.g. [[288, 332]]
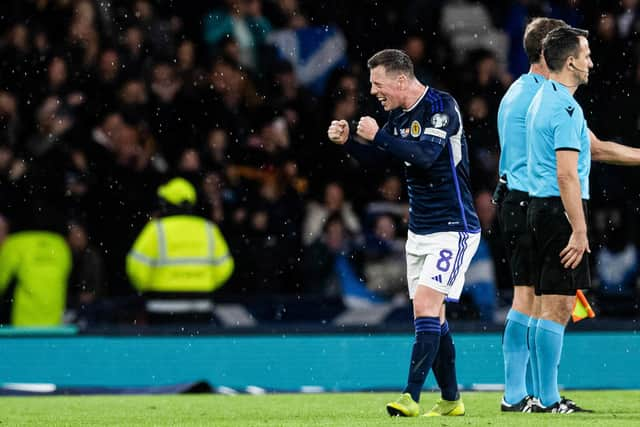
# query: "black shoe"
[[571, 404], [525, 405], [556, 408], [565, 406]]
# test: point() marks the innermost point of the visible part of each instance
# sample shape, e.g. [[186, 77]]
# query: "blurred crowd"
[[102, 101]]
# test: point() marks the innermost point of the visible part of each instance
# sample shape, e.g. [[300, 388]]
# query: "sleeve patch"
[[439, 120], [435, 132]]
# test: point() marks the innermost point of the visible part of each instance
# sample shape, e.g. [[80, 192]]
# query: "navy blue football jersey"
[[430, 140]]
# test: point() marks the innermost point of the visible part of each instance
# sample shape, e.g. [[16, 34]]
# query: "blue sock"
[[424, 352], [444, 365], [549, 338], [516, 355], [533, 380]]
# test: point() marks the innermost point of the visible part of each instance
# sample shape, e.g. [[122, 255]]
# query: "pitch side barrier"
[[310, 357]]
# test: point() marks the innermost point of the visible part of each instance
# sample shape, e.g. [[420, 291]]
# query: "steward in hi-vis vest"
[[179, 252]]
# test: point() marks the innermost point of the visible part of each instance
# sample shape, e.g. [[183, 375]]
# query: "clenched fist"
[[338, 131], [367, 128]]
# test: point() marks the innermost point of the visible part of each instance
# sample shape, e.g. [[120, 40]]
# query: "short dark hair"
[[560, 44], [392, 60], [535, 32]]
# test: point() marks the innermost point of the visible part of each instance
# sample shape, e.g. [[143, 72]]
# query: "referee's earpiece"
[[576, 68]]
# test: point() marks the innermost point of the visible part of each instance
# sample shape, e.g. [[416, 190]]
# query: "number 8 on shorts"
[[440, 261]]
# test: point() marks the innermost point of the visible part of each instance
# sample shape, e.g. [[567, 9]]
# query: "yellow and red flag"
[[581, 308]]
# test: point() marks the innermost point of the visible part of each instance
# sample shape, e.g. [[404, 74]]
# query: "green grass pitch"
[[614, 408]]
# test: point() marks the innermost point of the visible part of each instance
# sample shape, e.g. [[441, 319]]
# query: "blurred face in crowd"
[[142, 10], [7, 105], [163, 75], [19, 37], [487, 69], [186, 54], [478, 109], [133, 92], [415, 48], [6, 158], [226, 79], [57, 72], [388, 87], [212, 185], [41, 41], [231, 49], [252, 7], [112, 125], [77, 237], [217, 141], [333, 197], [335, 235], [165, 83], [391, 189], [346, 108], [51, 120], [127, 147], [109, 64], [134, 39], [385, 228], [607, 27], [275, 134], [84, 12], [348, 85], [189, 161]]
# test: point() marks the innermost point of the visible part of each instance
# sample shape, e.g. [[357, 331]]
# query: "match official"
[[559, 161], [512, 198]]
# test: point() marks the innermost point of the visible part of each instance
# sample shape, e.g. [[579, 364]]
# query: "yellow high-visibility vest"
[[40, 262], [180, 253]]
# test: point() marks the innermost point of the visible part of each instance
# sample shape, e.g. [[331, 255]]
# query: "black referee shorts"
[[551, 231], [512, 215]]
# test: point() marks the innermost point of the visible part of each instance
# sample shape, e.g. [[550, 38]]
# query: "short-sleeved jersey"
[[430, 139], [555, 121], [512, 130]]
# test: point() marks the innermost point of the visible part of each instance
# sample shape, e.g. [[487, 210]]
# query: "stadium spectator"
[[10, 123], [333, 266], [384, 266], [318, 213], [481, 278], [389, 201], [87, 281], [241, 20], [616, 263]]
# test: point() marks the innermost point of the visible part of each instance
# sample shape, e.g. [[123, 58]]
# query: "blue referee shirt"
[[554, 122], [512, 130]]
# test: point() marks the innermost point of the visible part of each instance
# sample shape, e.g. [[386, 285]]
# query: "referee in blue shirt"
[[512, 197], [513, 210], [559, 160]]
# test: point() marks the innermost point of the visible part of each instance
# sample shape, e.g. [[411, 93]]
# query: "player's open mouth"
[[382, 100]]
